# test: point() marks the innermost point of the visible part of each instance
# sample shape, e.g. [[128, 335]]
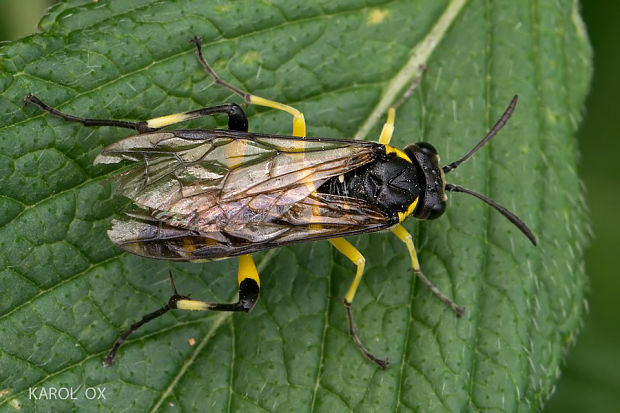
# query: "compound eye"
[[427, 148], [437, 210]]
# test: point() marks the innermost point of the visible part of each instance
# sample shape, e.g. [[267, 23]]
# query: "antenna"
[[496, 128], [509, 215]]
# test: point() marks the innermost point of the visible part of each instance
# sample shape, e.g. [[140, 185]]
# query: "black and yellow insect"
[[210, 194]]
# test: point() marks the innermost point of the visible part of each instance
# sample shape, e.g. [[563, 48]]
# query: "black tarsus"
[[248, 296], [108, 360], [218, 80], [140, 127], [383, 363], [237, 120]]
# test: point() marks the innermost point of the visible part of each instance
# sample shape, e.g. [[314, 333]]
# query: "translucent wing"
[[185, 172], [210, 194], [318, 216]]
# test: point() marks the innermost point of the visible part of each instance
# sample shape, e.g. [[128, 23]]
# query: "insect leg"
[[358, 259], [299, 124], [140, 127], [405, 237], [388, 126], [249, 287], [236, 117], [108, 360], [237, 120]]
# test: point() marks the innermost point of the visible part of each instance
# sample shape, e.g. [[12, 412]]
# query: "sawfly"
[[204, 194]]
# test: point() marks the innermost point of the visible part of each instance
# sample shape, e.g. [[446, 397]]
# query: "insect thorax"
[[389, 182]]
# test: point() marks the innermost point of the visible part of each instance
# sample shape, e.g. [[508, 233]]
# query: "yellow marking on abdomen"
[[209, 241], [188, 246], [235, 152], [316, 209]]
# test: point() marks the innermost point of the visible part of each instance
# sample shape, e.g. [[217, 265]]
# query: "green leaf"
[[67, 292]]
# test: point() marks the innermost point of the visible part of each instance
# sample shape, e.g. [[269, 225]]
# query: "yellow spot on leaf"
[[250, 58], [16, 404], [223, 8], [377, 16]]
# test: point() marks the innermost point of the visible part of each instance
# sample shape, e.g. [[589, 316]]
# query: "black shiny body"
[[393, 182], [432, 202], [389, 182]]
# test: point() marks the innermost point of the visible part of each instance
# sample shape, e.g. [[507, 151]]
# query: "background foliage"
[[364, 385]]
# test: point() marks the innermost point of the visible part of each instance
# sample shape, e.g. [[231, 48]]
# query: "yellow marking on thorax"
[[403, 215], [390, 149], [316, 209]]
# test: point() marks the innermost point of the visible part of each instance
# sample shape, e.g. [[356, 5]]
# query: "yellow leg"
[[299, 124], [236, 117], [163, 121], [386, 135], [247, 269], [405, 237], [358, 259], [388, 127], [249, 287]]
